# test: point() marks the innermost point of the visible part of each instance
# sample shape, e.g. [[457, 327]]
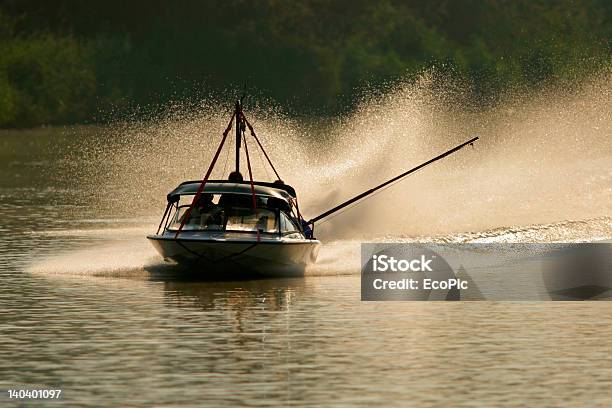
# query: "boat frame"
[[256, 250]]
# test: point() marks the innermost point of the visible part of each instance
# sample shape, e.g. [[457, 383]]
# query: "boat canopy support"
[[241, 123], [206, 177]]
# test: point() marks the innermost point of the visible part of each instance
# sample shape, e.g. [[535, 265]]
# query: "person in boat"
[[278, 204], [229, 201], [205, 203], [235, 176], [202, 206], [196, 211], [206, 213], [307, 230], [285, 207]]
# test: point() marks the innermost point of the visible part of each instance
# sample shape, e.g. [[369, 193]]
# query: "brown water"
[[87, 306]]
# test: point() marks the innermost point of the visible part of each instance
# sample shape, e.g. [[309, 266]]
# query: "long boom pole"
[[386, 183]]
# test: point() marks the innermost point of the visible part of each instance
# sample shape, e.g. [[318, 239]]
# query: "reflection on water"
[[280, 342], [265, 294]]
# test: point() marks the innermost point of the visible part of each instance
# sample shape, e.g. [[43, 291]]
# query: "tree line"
[[69, 61]]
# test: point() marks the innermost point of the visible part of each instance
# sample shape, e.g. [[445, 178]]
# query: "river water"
[[86, 305]]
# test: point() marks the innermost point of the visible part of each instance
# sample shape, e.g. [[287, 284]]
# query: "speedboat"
[[236, 225], [226, 233], [246, 226]]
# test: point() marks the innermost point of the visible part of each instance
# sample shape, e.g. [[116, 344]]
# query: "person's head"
[[276, 203], [273, 203], [204, 200], [235, 176]]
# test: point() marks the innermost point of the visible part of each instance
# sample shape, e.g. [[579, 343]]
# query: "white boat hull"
[[281, 257]]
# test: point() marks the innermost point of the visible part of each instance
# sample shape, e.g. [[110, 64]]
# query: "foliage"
[[64, 61]]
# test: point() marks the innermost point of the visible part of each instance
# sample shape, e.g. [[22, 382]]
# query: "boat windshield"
[[226, 212]]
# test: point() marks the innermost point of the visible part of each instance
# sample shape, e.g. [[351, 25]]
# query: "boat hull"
[[264, 257]]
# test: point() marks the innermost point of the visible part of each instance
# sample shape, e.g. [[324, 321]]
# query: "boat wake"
[[541, 159], [128, 255], [542, 172]]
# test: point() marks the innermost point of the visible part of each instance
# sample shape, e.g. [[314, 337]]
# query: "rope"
[[246, 151], [203, 183], [226, 161], [260, 146], [225, 258], [263, 166]]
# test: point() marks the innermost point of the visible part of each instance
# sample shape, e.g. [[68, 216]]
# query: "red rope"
[[246, 151], [260, 146], [297, 206], [203, 183]]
